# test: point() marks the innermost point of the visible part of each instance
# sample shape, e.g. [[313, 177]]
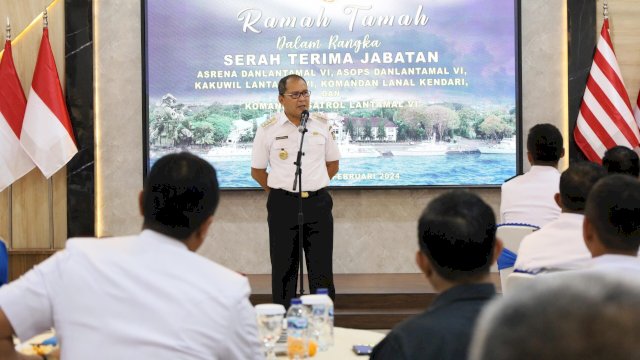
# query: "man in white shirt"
[[559, 244], [612, 224], [148, 296], [528, 198], [275, 146]]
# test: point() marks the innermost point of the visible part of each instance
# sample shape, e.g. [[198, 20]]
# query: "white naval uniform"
[[615, 264], [557, 245], [529, 198], [276, 145]]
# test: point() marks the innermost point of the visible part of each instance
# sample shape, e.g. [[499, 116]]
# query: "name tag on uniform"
[[315, 133], [282, 137]]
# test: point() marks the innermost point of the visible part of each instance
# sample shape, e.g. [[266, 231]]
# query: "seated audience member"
[[456, 236], [621, 160], [528, 198], [148, 296], [576, 316], [612, 224], [559, 244]]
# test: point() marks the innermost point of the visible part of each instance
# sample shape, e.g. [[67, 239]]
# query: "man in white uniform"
[[276, 144], [528, 198], [148, 296], [612, 225], [559, 244]]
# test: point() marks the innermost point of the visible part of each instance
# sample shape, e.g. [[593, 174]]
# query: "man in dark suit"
[[457, 239]]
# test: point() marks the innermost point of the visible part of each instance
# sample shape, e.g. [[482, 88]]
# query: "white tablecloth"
[[344, 341], [342, 349]]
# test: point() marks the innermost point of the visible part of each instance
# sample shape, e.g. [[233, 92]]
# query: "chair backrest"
[[515, 280], [511, 236]]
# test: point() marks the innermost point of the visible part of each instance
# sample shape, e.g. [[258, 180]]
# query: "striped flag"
[[14, 161], [605, 118], [46, 132], [636, 110]]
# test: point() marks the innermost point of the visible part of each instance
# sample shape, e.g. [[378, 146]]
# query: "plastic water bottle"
[[297, 330], [325, 292], [318, 318]]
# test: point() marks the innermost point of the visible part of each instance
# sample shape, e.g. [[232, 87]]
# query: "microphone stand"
[[298, 181]]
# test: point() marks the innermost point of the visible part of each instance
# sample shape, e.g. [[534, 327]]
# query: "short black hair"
[[457, 232], [576, 183], [545, 144], [613, 208], [180, 193], [621, 160], [282, 84]]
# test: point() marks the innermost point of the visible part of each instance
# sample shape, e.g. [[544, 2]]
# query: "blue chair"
[[4, 263]]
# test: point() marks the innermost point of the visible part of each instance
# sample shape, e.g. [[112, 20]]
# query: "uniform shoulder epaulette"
[[322, 118], [269, 122], [513, 177]]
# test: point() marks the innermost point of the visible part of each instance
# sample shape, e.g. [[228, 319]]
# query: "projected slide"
[[417, 92]]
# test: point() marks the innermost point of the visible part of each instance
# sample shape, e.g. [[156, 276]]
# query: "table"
[[344, 341]]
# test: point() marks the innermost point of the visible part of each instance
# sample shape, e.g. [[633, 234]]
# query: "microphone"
[[304, 117]]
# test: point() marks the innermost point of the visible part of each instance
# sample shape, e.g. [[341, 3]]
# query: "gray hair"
[[568, 316]]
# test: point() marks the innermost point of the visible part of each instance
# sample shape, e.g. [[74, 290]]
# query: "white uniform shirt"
[[276, 145], [557, 245], [528, 198], [615, 264], [137, 297]]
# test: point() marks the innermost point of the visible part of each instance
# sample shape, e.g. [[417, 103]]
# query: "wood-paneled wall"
[[33, 211], [624, 27]]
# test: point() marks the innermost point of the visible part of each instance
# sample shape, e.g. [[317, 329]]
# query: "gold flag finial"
[[45, 18]]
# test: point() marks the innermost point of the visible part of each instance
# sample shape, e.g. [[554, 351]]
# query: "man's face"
[[294, 107]]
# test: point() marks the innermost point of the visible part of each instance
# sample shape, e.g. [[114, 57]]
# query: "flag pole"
[[8, 33], [605, 9]]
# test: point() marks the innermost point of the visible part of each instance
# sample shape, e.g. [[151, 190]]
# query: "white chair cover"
[[511, 236], [516, 280]]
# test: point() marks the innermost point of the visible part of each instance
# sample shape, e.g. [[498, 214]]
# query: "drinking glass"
[[270, 318]]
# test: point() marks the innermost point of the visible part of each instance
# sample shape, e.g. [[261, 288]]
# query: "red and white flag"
[[636, 110], [47, 135], [605, 118], [14, 161]]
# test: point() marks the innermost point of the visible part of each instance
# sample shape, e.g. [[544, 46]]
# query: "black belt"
[[305, 194]]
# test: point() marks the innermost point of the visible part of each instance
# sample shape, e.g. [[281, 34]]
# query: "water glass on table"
[[270, 318]]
